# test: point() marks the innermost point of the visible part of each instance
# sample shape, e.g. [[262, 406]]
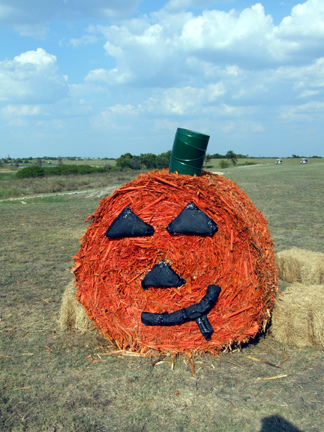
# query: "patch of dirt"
[[88, 194]]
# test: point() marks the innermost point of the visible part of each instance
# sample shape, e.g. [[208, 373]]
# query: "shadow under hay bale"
[[298, 317], [73, 315], [300, 265]]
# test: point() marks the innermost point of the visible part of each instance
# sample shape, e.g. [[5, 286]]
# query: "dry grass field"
[[53, 381]]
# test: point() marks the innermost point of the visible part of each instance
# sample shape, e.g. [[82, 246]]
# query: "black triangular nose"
[[162, 276]]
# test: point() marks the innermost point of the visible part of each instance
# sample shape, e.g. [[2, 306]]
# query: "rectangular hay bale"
[[300, 265], [298, 317]]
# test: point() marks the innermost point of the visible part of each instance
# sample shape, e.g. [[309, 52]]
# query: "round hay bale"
[[72, 314], [298, 317], [110, 268], [300, 265]]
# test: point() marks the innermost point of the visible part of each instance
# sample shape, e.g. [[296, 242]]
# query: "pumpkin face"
[[159, 246]]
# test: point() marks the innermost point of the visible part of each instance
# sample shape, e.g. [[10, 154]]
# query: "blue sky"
[[100, 78]]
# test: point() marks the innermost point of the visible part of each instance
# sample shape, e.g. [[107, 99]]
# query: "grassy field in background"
[[291, 197], [56, 381], [11, 187]]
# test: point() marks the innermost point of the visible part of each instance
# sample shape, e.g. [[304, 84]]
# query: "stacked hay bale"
[[300, 265], [298, 317]]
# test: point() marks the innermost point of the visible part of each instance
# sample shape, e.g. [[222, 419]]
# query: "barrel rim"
[[188, 132]]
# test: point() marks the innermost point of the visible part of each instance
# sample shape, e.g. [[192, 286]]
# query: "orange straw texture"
[[239, 258]]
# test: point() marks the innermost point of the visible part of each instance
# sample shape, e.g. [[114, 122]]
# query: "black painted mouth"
[[197, 312]]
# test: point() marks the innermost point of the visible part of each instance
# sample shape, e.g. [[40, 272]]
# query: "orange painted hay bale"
[[239, 258], [72, 314], [300, 265], [298, 317]]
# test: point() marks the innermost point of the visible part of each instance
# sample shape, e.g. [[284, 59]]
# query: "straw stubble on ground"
[[53, 380]]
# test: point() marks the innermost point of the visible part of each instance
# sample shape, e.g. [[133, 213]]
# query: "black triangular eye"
[[128, 224], [192, 221]]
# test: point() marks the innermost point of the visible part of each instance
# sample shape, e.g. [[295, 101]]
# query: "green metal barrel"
[[188, 152]]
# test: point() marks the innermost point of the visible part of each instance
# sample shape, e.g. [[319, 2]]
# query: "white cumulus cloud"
[[167, 49], [31, 77]]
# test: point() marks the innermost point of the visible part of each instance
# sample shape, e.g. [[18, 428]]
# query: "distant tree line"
[[228, 155], [224, 163], [149, 161], [127, 161]]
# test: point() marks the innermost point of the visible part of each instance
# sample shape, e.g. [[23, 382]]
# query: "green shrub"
[[248, 163], [31, 171], [36, 171], [224, 163]]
